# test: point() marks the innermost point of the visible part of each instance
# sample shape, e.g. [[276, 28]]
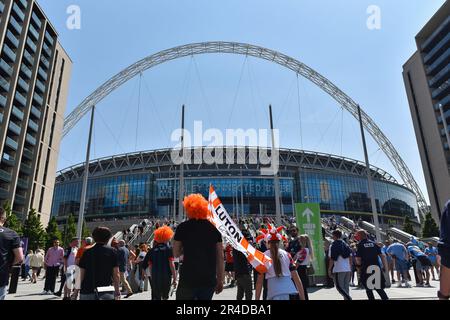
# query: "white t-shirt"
[[307, 260], [285, 264], [71, 257], [341, 265], [280, 285]]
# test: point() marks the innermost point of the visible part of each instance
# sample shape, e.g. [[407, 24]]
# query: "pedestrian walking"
[[140, 274], [400, 256], [85, 245], [53, 261], [160, 263], [307, 263], [243, 272], [36, 263], [11, 253], [301, 257], [123, 257], [69, 263], [444, 252], [283, 282], [432, 253], [229, 265], [389, 259], [200, 244], [421, 265], [340, 266], [368, 255], [99, 269], [26, 266]]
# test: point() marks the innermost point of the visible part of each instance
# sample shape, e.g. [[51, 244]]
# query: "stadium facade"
[[145, 184]]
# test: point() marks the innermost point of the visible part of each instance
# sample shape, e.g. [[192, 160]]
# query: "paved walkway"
[[28, 291]]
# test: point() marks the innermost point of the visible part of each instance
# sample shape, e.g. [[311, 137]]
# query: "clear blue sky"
[[331, 36]]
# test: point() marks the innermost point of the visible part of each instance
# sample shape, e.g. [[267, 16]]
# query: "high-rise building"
[[427, 80], [34, 78]]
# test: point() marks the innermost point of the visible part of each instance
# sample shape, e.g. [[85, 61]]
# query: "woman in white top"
[[303, 260], [281, 273], [36, 263], [140, 273], [306, 243]]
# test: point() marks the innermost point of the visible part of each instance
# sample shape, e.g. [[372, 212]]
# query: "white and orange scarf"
[[220, 218]]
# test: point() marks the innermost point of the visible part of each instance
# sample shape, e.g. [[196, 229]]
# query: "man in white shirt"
[[340, 268], [69, 263]]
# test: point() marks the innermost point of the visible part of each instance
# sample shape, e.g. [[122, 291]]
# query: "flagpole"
[[369, 180], [181, 186], [242, 195], [234, 207], [85, 179], [292, 199], [174, 199], [276, 178]]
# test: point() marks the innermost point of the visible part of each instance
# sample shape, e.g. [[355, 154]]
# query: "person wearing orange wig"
[[200, 244], [159, 261], [196, 207]]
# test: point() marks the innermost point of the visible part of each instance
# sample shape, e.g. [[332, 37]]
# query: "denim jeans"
[[3, 291], [93, 296], [281, 297]]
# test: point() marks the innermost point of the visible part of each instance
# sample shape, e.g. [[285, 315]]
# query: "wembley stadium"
[[145, 184]]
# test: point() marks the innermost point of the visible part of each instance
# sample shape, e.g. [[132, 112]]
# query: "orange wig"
[[163, 234], [196, 207]]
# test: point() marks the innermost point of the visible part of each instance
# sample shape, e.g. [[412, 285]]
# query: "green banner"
[[308, 222]]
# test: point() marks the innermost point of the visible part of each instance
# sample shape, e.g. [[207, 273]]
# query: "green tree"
[[70, 230], [52, 233], [430, 228], [408, 227], [33, 230], [12, 221]]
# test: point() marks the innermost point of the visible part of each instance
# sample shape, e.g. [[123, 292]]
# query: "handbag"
[[104, 293]]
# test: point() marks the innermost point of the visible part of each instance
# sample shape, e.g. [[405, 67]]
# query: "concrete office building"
[[427, 81], [34, 78]]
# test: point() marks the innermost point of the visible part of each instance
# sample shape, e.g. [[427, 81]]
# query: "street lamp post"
[[276, 178], [242, 195], [181, 186], [85, 179], [369, 180]]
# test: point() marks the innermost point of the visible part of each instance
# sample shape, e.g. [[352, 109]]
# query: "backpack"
[[340, 248], [346, 252]]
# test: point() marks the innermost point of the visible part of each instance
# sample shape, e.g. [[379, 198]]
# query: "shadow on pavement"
[[37, 295]]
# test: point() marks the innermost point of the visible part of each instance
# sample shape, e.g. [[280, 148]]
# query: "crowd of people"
[[347, 252], [193, 261]]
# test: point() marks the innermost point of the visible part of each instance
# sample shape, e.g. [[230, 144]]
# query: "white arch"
[[259, 52]]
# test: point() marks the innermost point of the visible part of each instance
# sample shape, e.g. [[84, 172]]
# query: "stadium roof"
[[160, 161]]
